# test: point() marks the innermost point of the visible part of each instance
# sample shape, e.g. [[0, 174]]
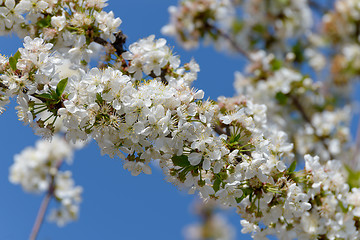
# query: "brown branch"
[[3, 85], [232, 41], [307, 119], [219, 130], [162, 76], [41, 213], [295, 101], [120, 39], [357, 143], [43, 207], [318, 7]]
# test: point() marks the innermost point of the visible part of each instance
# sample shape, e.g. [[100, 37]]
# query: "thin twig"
[[43, 207], [232, 41], [118, 44], [40, 216], [295, 101], [219, 130], [318, 7], [162, 76], [3, 85], [357, 143], [307, 119]]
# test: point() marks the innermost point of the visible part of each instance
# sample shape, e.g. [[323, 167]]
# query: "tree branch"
[[120, 39], [219, 130], [3, 85], [318, 7], [41, 213], [232, 41], [295, 101], [43, 207], [307, 119]]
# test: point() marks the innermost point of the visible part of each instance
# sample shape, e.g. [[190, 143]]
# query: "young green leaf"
[[292, 167], [44, 97], [276, 64], [61, 87], [281, 98], [216, 185], [45, 22], [13, 62], [246, 192], [353, 177], [181, 161], [17, 55]]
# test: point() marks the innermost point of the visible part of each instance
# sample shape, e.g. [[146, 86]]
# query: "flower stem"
[[40, 216], [44, 205]]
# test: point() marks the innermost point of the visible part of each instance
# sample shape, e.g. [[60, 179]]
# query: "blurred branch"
[[231, 41], [3, 85], [300, 108], [43, 207], [318, 7], [357, 143], [40, 216], [295, 101]]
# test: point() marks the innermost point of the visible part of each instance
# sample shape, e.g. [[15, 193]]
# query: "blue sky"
[[115, 204]]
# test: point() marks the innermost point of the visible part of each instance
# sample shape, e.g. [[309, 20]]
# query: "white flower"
[[248, 227], [137, 167], [58, 22]]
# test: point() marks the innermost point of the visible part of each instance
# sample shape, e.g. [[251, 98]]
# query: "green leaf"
[[237, 26], [297, 49], [216, 186], [276, 64], [281, 98], [45, 97], [292, 167], [353, 177], [17, 55], [45, 22], [61, 87], [181, 161], [12, 62], [223, 175], [99, 98], [259, 28], [246, 192]]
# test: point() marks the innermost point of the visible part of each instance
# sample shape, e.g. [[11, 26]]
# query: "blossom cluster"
[[72, 26], [340, 28], [194, 20], [224, 150], [153, 58], [140, 107], [292, 98], [37, 170], [260, 24]]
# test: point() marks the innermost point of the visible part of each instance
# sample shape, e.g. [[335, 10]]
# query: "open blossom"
[[107, 24]]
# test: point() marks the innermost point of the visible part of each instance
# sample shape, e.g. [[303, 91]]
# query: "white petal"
[[195, 158]]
